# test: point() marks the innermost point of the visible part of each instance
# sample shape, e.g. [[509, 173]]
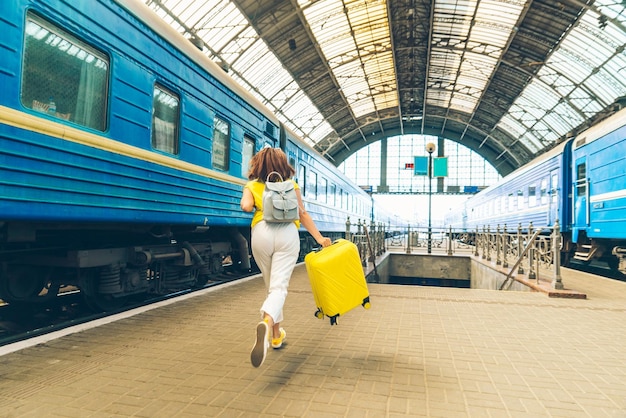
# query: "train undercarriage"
[[611, 253], [108, 264]]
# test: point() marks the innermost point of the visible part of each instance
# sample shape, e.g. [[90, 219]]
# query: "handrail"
[[531, 242]]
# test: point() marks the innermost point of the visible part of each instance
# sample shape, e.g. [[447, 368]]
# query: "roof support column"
[[382, 187], [440, 153]]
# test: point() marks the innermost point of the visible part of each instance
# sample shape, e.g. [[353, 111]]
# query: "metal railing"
[[527, 249], [369, 239]]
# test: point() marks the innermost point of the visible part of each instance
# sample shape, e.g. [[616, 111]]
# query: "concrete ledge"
[[484, 274], [542, 284]]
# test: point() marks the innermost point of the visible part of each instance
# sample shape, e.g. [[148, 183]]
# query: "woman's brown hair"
[[268, 160]]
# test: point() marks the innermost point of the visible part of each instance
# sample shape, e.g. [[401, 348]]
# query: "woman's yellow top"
[[257, 188]]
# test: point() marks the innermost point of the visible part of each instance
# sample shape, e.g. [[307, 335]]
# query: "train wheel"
[[97, 301], [24, 284]]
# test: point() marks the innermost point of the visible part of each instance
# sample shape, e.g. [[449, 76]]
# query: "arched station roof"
[[508, 78]]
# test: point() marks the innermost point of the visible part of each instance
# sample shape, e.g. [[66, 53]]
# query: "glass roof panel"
[[230, 51], [529, 110], [582, 100], [353, 36], [261, 67], [218, 25], [300, 111], [544, 133], [577, 81], [567, 117], [478, 31], [581, 77], [512, 123], [560, 83], [386, 100], [230, 39], [442, 76], [463, 103], [439, 97]]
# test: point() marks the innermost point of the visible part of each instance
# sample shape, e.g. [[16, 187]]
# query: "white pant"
[[275, 248]]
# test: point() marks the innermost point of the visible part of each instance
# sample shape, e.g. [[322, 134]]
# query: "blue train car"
[[536, 192], [123, 153], [599, 192]]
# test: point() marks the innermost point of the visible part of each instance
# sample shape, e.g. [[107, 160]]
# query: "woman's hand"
[[324, 242]]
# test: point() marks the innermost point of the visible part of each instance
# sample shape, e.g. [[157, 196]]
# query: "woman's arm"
[[247, 201]]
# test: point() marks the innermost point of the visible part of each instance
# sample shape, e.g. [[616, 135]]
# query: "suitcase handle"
[[318, 249]]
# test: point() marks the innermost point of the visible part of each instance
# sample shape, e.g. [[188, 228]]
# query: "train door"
[[553, 205], [580, 194]]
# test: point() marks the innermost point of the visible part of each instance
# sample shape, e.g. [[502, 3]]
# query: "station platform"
[[418, 352]]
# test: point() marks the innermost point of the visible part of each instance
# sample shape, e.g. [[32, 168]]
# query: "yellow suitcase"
[[337, 279]]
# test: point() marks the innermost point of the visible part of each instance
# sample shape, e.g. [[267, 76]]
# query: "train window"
[[532, 198], [221, 144], [165, 117], [554, 186], [247, 152], [323, 191], [520, 199], [581, 175], [63, 76], [332, 198], [544, 192], [312, 185], [302, 179], [511, 202]]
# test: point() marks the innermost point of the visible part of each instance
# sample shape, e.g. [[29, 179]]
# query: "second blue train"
[[581, 183]]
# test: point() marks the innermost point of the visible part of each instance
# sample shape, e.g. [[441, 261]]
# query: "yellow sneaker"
[[278, 342]]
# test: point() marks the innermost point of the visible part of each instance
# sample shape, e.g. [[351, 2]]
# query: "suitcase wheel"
[[366, 303], [319, 314]]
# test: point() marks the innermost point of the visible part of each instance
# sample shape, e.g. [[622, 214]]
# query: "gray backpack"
[[280, 203]]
